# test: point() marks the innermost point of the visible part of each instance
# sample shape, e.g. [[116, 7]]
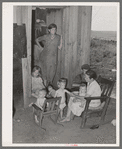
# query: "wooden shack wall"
[[76, 40], [75, 28]]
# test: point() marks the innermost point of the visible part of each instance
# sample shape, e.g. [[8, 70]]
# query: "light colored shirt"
[[40, 102], [37, 83], [94, 90]]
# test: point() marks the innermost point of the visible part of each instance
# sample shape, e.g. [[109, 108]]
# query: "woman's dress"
[[48, 58], [93, 90]]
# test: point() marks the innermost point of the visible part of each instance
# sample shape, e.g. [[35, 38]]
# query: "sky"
[[104, 18]]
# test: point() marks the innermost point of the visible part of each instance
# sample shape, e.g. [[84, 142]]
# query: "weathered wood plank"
[[27, 19], [87, 35], [66, 68], [63, 43], [70, 47], [74, 50], [25, 81]]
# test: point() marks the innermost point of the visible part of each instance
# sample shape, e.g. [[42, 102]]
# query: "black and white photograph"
[[60, 74]]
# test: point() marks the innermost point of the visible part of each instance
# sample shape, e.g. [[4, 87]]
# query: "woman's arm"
[[38, 40]]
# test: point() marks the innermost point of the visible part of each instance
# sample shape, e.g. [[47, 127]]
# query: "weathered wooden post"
[[27, 19]]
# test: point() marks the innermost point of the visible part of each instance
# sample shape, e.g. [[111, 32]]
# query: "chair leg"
[[102, 118], [83, 122], [56, 118], [40, 120]]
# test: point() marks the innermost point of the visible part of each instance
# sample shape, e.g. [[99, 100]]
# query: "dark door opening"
[[39, 28]]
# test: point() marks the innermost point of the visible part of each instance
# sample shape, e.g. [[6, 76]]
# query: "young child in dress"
[[37, 81], [61, 93], [82, 93], [39, 103], [51, 91]]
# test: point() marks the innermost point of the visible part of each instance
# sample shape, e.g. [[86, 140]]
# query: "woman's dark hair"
[[52, 26], [37, 68], [91, 74]]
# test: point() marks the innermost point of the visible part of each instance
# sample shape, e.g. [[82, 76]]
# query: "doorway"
[[41, 18]]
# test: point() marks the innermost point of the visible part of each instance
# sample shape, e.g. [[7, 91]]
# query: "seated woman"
[[93, 90]]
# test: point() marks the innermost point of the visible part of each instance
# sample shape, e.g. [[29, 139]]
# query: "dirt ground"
[[26, 131]]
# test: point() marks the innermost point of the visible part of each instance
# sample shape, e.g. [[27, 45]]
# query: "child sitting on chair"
[[51, 91], [37, 81], [61, 93], [40, 102]]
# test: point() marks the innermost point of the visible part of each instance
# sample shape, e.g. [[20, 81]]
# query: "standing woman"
[[48, 59]]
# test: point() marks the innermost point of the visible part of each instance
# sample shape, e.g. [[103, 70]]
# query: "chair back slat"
[[106, 86], [51, 102], [53, 105]]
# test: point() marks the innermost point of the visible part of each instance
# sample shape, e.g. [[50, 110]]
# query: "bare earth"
[[26, 131]]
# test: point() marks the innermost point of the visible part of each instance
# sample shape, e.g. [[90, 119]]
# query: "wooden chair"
[[51, 109], [106, 87]]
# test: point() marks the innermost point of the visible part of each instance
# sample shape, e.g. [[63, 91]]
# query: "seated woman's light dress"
[[37, 84], [93, 90]]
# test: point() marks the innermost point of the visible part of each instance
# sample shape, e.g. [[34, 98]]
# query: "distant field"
[[107, 35]]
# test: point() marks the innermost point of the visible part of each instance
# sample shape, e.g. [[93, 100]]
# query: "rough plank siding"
[[76, 40], [63, 43], [74, 46]]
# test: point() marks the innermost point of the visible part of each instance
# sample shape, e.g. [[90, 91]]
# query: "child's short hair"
[[83, 85], [37, 68], [62, 80], [50, 85], [43, 90]]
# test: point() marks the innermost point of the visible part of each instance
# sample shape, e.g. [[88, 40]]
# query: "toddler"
[[82, 90], [51, 91], [39, 103], [37, 81], [82, 93], [61, 93]]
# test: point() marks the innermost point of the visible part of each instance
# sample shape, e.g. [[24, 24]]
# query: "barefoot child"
[[37, 81], [61, 93], [39, 103]]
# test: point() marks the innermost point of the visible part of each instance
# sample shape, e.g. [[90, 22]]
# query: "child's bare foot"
[[66, 119]]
